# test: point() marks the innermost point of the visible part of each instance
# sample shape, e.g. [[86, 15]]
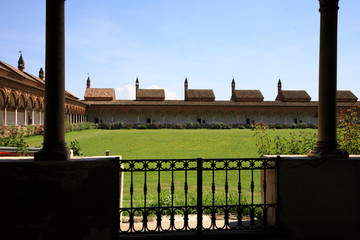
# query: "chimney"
[[21, 63], [233, 89], [279, 86], [88, 82], [186, 88], [279, 95], [41, 74]]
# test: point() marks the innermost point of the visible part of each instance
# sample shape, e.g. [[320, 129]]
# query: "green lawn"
[[166, 143], [172, 143]]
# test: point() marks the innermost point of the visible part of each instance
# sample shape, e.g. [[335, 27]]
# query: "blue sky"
[[208, 41]]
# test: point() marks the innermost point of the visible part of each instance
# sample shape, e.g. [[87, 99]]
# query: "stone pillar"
[[327, 145], [54, 146], [5, 115], [16, 116], [25, 117], [32, 116]]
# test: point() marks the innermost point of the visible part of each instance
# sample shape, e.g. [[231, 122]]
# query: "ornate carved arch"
[[33, 99], [6, 92], [26, 99], [17, 95], [66, 108], [41, 102]]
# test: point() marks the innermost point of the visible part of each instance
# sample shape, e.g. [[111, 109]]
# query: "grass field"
[[166, 143], [173, 144]]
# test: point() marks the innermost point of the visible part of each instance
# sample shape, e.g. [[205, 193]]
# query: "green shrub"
[[13, 136], [189, 126], [220, 125], [302, 125], [119, 125], [348, 131], [154, 126], [142, 126], [75, 146], [70, 127], [348, 136], [294, 144]]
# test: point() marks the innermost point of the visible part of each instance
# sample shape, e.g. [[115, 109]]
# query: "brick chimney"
[[21, 63], [41, 74]]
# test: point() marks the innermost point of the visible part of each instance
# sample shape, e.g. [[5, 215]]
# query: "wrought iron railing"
[[184, 195]]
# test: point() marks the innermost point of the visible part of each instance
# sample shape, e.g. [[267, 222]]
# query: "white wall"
[[156, 117], [20, 118], [182, 117]]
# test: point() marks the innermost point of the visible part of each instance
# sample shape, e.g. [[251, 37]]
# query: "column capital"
[[327, 5]]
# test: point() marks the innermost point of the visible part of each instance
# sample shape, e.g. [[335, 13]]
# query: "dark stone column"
[[327, 146], [54, 146]]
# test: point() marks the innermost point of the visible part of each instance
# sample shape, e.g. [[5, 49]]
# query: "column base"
[[60, 153], [328, 152]]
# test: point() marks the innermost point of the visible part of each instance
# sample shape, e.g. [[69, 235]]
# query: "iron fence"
[[168, 195]]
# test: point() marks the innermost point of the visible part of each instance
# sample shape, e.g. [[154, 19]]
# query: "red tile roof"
[[247, 96], [293, 96], [346, 96], [200, 95], [150, 94], [28, 78], [99, 94]]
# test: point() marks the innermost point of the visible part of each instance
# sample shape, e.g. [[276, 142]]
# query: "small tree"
[[348, 131]]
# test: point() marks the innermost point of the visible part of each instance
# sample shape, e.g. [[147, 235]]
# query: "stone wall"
[[319, 199], [75, 199]]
